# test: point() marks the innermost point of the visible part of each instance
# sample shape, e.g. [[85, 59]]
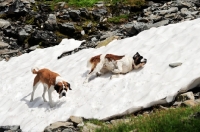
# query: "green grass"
[[90, 3], [172, 120], [118, 19]]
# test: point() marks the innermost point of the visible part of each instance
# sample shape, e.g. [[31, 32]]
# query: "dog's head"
[[138, 60], [61, 88]]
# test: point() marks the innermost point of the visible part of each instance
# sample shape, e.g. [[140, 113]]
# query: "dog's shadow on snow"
[[108, 74], [94, 76], [39, 103]]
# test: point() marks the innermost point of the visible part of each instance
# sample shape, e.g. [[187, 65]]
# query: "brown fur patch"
[[112, 57], [45, 76], [94, 61]]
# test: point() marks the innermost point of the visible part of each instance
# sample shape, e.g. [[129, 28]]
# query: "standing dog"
[[51, 81], [101, 64]]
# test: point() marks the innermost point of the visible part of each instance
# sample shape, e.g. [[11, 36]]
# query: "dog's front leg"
[[50, 97]]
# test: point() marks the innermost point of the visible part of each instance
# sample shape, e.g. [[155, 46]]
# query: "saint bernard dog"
[[116, 64], [51, 81]]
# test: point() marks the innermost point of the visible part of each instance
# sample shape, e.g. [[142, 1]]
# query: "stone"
[[175, 64], [130, 29], [67, 28], [189, 103], [51, 22], [8, 52], [106, 41], [159, 24], [13, 128], [75, 15], [57, 125], [4, 24], [76, 120], [3, 45], [185, 96]]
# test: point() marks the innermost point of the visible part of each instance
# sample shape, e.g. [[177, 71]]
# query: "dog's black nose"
[[63, 94]]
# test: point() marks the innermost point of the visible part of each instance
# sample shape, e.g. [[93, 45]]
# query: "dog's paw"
[[31, 100]]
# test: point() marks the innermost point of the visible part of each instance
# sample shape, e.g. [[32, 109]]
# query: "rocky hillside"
[[28, 24]]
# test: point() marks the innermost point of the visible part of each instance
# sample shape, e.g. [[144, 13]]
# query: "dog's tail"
[[35, 70], [89, 63]]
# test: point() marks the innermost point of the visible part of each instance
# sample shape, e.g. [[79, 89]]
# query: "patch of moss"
[[118, 19], [29, 20]]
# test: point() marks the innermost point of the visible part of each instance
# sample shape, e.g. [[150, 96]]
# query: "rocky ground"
[[77, 124], [28, 24]]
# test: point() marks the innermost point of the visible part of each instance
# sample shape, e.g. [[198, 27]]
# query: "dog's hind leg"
[[119, 68], [34, 88]]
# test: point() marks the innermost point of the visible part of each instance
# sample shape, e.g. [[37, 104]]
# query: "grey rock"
[[22, 35], [76, 120], [98, 13], [172, 15], [155, 18], [158, 24], [162, 12], [185, 96], [185, 12], [189, 103], [67, 28], [13, 128], [28, 28], [8, 52], [3, 45], [84, 12], [142, 19], [56, 125], [175, 64], [173, 10], [33, 47], [130, 30], [4, 24], [68, 130], [75, 14], [51, 22]]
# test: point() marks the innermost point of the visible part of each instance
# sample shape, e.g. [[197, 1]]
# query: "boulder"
[[67, 28], [185, 96], [51, 23], [60, 124], [75, 15]]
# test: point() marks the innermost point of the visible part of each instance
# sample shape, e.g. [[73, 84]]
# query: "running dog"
[[116, 64]]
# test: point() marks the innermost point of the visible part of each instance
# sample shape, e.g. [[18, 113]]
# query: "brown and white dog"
[[101, 64], [51, 81]]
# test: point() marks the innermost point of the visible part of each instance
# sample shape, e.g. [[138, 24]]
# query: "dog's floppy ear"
[[57, 88], [69, 86], [136, 55]]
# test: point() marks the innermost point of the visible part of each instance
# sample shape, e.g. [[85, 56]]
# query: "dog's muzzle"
[[63, 94]]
